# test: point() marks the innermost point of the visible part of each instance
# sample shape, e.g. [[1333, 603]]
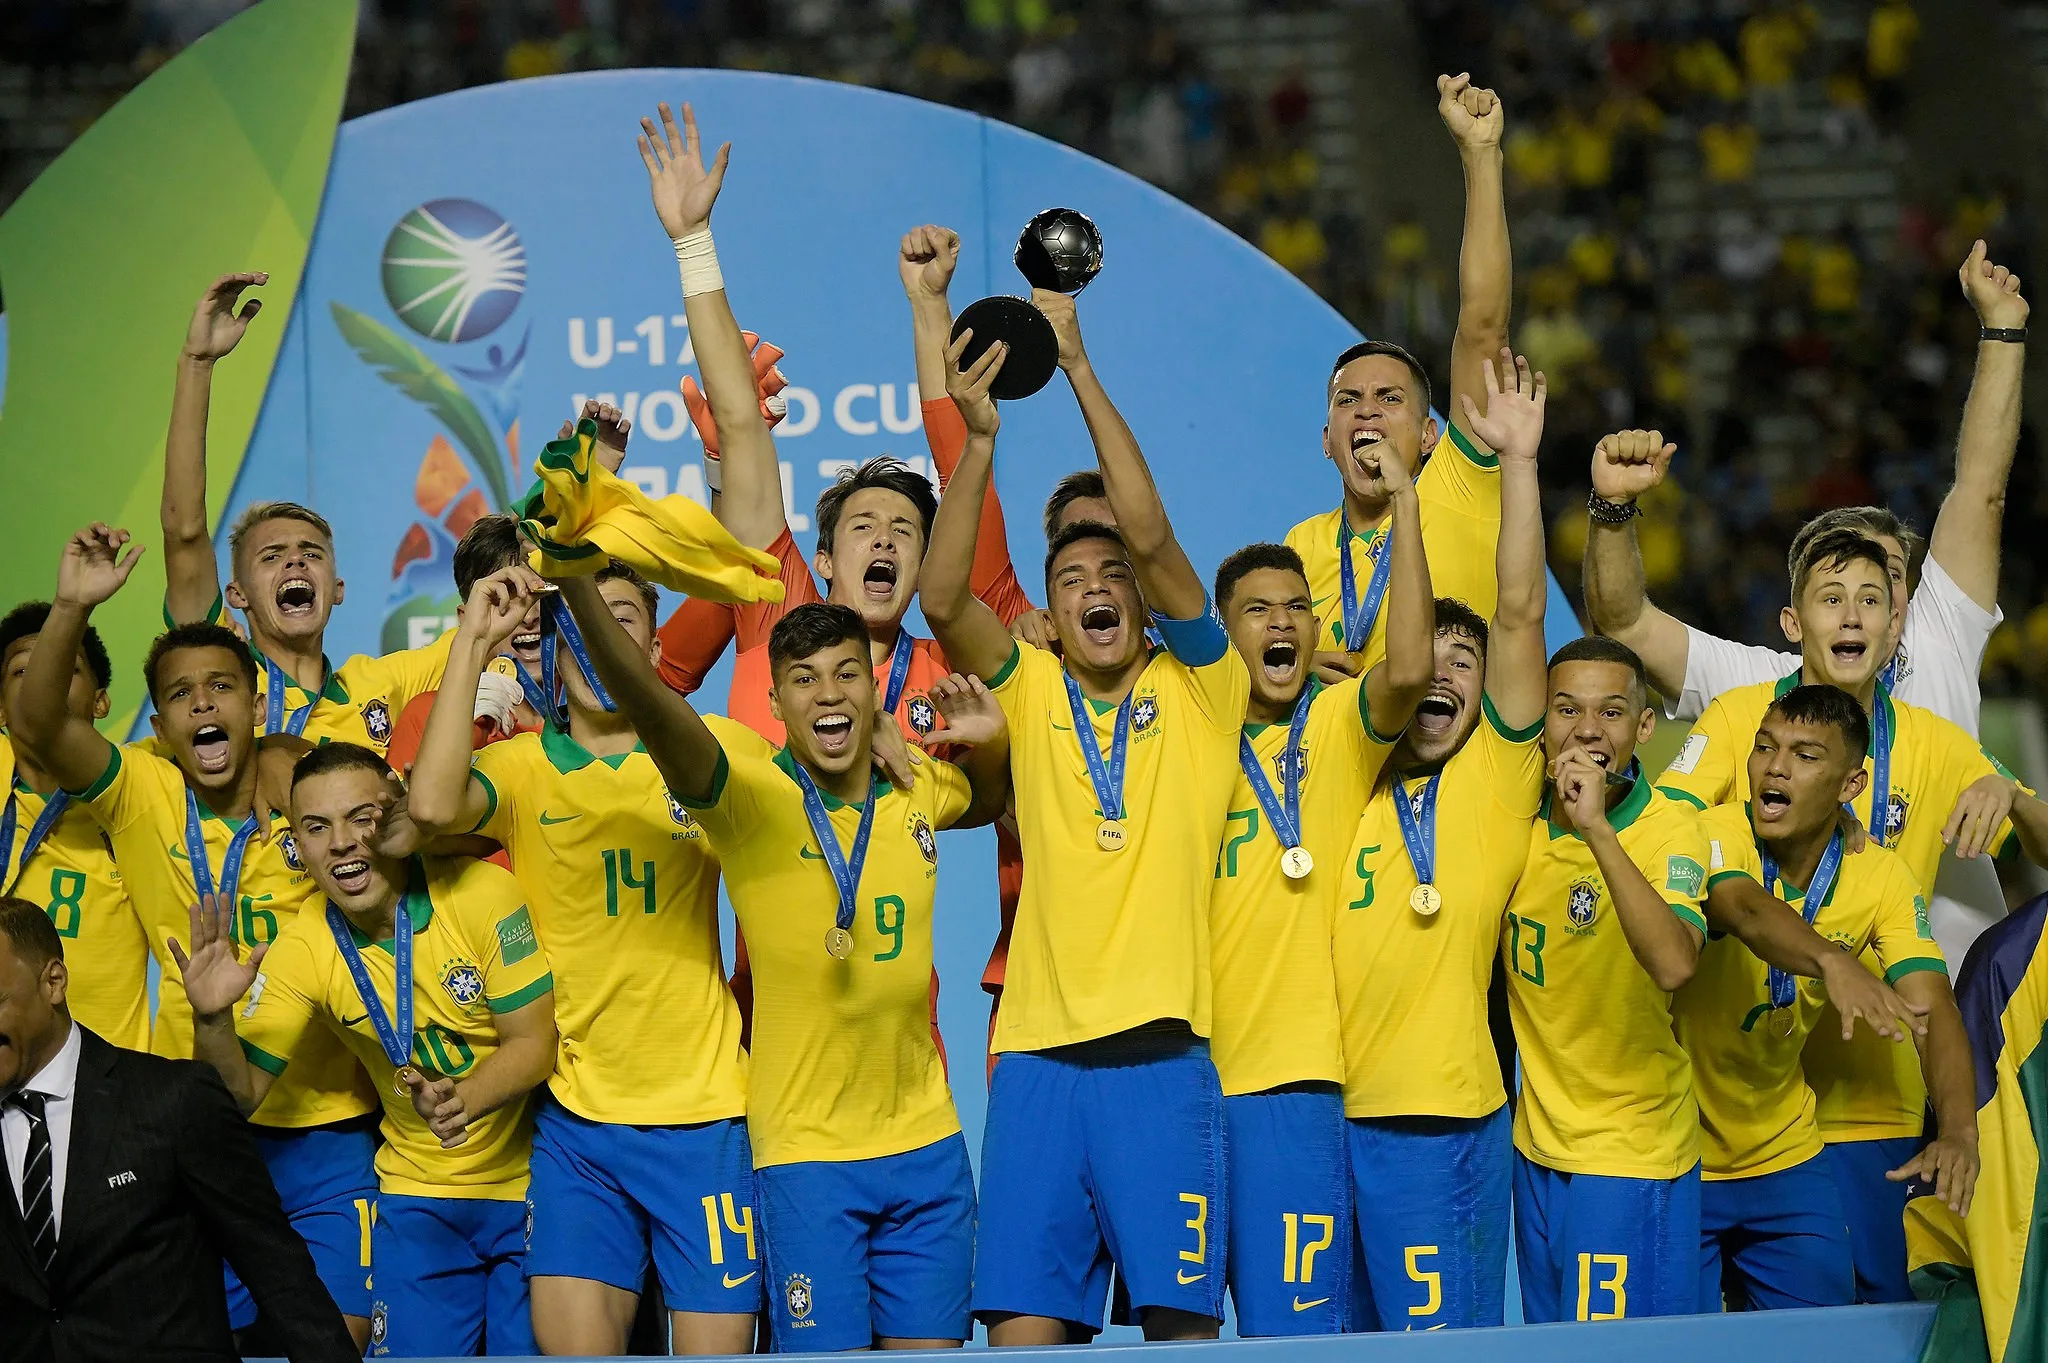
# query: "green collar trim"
[[565, 754], [330, 689], [1315, 688], [1619, 817], [878, 784], [415, 902], [1884, 697]]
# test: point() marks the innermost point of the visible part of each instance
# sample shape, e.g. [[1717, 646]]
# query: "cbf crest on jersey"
[[924, 716], [463, 981], [796, 1295], [921, 829], [1895, 811], [1300, 760], [1581, 905], [289, 846], [377, 720], [1144, 714], [676, 812]]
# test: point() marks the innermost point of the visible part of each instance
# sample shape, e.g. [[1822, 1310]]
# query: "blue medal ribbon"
[[53, 810], [1283, 811], [1889, 678], [899, 671], [394, 1037], [1881, 766], [274, 720], [1359, 620], [230, 866], [1783, 989], [845, 868], [1418, 828], [1108, 782], [552, 698]]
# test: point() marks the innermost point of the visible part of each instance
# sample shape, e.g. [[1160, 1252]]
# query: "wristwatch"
[[2015, 335]]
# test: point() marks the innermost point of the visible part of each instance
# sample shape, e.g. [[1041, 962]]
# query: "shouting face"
[[876, 549], [205, 714], [285, 580]]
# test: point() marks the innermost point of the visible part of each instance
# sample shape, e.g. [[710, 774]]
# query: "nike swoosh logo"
[[1184, 1279], [1063, 728], [731, 1281], [808, 855], [547, 818], [1301, 1305], [350, 1022]]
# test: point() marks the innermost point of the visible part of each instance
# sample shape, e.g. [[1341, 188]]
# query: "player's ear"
[[340, 590], [232, 595], [1853, 784], [1431, 433], [102, 705], [1788, 620], [1646, 727], [822, 562], [156, 724], [654, 653], [775, 706]]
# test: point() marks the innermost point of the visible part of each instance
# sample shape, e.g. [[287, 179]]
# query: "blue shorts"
[[1775, 1241], [1432, 1195], [1876, 1208], [869, 1249], [326, 1178], [451, 1279], [1596, 1248], [1110, 1151], [1290, 1211], [607, 1197]]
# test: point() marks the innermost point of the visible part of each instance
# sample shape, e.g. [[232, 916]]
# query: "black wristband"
[[2013, 335], [1611, 513]]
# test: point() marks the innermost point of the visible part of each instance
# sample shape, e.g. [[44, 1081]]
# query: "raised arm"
[[444, 795], [925, 260], [68, 747], [683, 748], [214, 983], [750, 503], [191, 576], [975, 723], [1170, 583], [1517, 680], [1966, 533], [1485, 265], [1393, 688], [974, 636], [1626, 465]]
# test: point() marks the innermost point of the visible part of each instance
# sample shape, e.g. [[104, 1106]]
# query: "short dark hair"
[[1074, 534], [810, 629], [1251, 559], [1837, 548], [488, 546], [1871, 521], [1365, 348], [27, 620], [882, 471], [333, 757], [1455, 617], [273, 511], [1598, 648], [1827, 705], [616, 571], [200, 634], [28, 929], [1083, 485]]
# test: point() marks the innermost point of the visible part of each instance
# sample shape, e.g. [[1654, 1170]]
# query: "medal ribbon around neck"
[[1108, 781], [1283, 811], [394, 1036], [845, 868], [274, 720], [549, 697], [231, 865], [1418, 832], [1783, 988], [1881, 766], [899, 671], [1359, 620], [53, 810]]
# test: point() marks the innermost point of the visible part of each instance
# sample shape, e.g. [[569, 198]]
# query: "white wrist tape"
[[698, 260], [714, 476]]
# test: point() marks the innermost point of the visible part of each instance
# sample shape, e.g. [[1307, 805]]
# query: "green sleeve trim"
[[1717, 877], [1500, 726], [1473, 454], [518, 999], [1913, 966], [1690, 915], [1684, 796], [264, 1060], [719, 774], [1365, 713], [215, 613], [490, 799], [1003, 673], [99, 787]]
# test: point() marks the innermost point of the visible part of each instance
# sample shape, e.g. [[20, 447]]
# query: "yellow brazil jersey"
[[1275, 1002], [624, 888], [1413, 987], [1606, 1088], [1459, 490], [73, 876], [1757, 1114], [844, 1063], [361, 700], [474, 955], [1107, 941], [1869, 1088], [140, 801]]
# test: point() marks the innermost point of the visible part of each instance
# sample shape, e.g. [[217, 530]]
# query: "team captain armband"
[[1197, 642]]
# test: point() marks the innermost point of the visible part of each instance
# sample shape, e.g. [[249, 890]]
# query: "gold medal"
[[1296, 863], [1425, 900], [1783, 1021], [839, 943], [1109, 835], [504, 667], [401, 1082]]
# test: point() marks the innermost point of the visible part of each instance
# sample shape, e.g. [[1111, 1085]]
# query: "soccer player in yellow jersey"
[[55, 855], [1924, 770], [1604, 924], [283, 576], [1425, 879], [865, 1190], [1772, 1229], [192, 824], [643, 1125], [1104, 1132], [430, 972], [1379, 395]]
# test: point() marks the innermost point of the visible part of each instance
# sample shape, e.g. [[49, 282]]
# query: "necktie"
[[38, 1191]]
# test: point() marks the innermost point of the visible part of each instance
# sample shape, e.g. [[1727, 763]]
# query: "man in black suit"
[[129, 1178]]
